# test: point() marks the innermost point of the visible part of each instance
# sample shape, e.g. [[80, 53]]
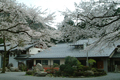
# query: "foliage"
[[1, 40], [94, 69], [85, 68], [18, 25], [72, 61], [96, 73], [62, 67], [70, 66], [94, 19], [52, 70], [87, 74], [29, 72], [10, 65], [76, 73], [91, 61], [55, 65], [69, 70], [57, 73], [22, 67], [80, 67]]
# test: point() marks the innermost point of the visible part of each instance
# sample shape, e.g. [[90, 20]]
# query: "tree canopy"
[[94, 19], [19, 23]]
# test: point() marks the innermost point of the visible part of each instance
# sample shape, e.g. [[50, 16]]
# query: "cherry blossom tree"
[[16, 22], [94, 19], [46, 37]]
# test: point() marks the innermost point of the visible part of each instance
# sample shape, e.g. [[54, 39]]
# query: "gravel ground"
[[21, 76]]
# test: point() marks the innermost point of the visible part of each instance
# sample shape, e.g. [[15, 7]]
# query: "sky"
[[52, 6]]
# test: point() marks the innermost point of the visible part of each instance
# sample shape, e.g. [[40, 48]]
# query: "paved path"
[[21, 76]]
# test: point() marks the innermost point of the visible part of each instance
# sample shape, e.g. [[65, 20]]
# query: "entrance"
[[30, 64], [100, 65]]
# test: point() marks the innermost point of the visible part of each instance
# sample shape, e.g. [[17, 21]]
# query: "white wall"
[[50, 61], [34, 50], [105, 65], [13, 61]]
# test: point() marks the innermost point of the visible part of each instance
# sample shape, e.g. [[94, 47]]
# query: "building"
[[106, 59], [19, 56]]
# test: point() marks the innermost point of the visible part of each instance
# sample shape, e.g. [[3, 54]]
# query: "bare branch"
[[17, 25]]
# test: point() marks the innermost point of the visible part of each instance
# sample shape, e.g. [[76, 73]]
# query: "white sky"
[[52, 6]]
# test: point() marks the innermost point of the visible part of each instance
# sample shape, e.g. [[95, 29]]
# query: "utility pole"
[[87, 60], [87, 55]]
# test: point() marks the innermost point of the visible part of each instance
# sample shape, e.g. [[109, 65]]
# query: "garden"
[[72, 68]]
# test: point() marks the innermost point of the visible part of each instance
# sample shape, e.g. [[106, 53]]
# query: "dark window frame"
[[55, 61], [38, 61], [44, 62], [81, 47]]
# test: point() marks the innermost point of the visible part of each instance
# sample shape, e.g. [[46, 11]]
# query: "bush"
[[29, 72], [85, 68], [22, 67], [91, 61], [100, 70], [100, 73], [76, 73], [17, 70], [10, 65], [55, 65], [96, 74], [104, 73], [73, 67], [80, 67], [62, 67], [51, 71], [94, 69], [58, 73], [87, 74], [72, 61], [69, 70]]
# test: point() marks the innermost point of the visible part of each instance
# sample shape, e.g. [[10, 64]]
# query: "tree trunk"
[[4, 57]]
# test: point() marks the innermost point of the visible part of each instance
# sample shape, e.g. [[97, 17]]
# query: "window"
[[56, 61], [38, 61], [83, 62], [79, 47], [39, 51], [117, 62], [44, 62]]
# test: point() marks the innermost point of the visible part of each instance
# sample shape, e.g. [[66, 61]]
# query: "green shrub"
[[72, 61], [80, 67], [104, 73], [100, 70], [87, 74], [22, 67], [85, 68], [29, 72], [55, 65], [94, 69], [100, 73], [16, 70], [62, 67], [69, 70], [10, 65], [76, 73], [58, 73], [96, 74], [91, 61]]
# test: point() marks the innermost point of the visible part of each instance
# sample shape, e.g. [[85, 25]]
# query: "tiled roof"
[[24, 47], [64, 49]]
